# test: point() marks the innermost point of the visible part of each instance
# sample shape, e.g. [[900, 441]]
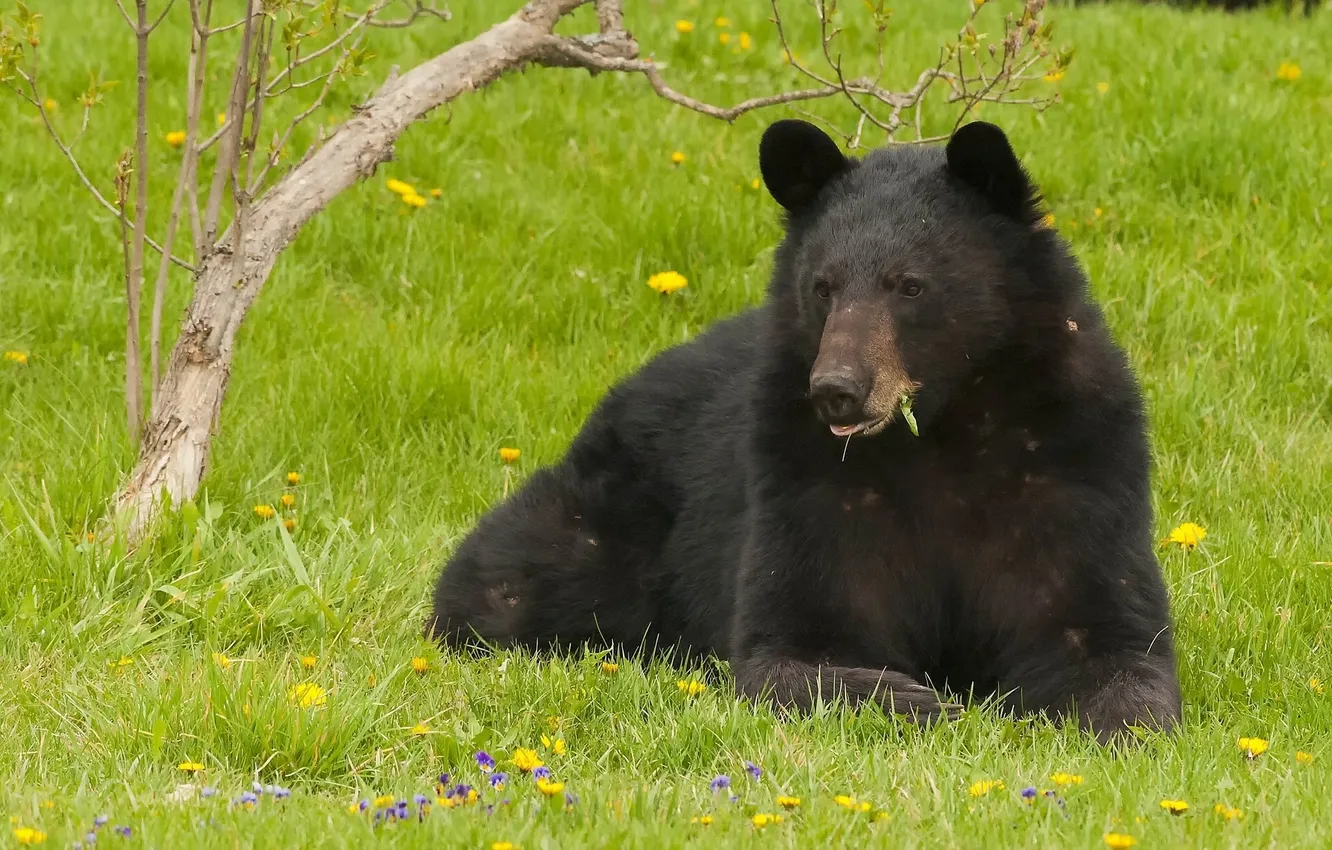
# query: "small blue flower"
[[1049, 793], [541, 773], [753, 770], [570, 798], [363, 805], [207, 792], [1028, 793], [484, 761], [281, 793], [257, 788], [720, 782], [90, 838], [248, 798], [421, 800], [123, 831], [461, 791], [497, 780], [101, 821]]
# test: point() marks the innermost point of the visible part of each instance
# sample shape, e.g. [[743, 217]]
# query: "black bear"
[[920, 466]]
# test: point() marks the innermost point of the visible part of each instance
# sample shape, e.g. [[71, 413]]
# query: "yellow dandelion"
[[175, 138], [1119, 841], [383, 801], [1102, 87], [420, 665], [503, 845], [556, 746], [549, 787], [1062, 778], [1188, 535], [264, 511], [723, 23], [48, 804], [755, 183], [881, 817], [1288, 71], [19, 357], [293, 478], [845, 801], [1228, 813], [1049, 220], [309, 661], [677, 158], [122, 662], [745, 41], [1252, 747], [610, 668], [724, 38], [691, 688], [703, 820], [436, 193], [414, 200], [398, 187], [1304, 758], [190, 766], [509, 455], [1055, 75], [307, 695], [420, 730], [221, 661], [50, 104], [1097, 211], [290, 524], [28, 835], [683, 26], [788, 803], [1316, 685], [667, 282], [288, 500], [1175, 807], [761, 819], [985, 786], [221, 118], [526, 760]]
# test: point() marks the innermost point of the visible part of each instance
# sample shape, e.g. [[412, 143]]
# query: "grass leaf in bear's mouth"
[[910, 417]]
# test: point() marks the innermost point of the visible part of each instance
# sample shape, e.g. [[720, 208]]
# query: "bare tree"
[[255, 205]]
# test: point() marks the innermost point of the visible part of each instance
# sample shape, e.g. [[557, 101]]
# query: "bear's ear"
[[980, 156], [797, 160]]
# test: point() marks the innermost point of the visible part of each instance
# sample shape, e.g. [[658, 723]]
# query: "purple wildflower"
[[421, 800], [123, 831], [281, 793], [207, 792], [363, 805], [90, 838], [497, 780], [461, 792], [719, 783], [1028, 793], [541, 773], [101, 821], [257, 788], [484, 761], [1049, 793], [753, 770], [570, 798], [248, 798]]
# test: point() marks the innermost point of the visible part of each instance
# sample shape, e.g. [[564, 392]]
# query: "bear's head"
[[899, 271]]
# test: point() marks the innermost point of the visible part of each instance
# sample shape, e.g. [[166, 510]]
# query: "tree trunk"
[[174, 451]]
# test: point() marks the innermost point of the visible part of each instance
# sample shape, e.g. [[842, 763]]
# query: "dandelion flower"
[[221, 119], [1062, 778], [1102, 87], [420, 730], [17, 357], [264, 511], [845, 801], [1055, 76], [1175, 807], [722, 23], [1228, 813], [50, 104], [985, 786], [667, 282], [526, 760], [190, 766], [509, 455], [610, 668], [400, 189], [761, 820], [309, 661], [293, 478], [556, 746], [288, 500], [484, 760], [754, 184], [880, 817], [1304, 758], [678, 157], [788, 803], [549, 787], [123, 661], [724, 38], [1119, 841], [175, 138], [290, 524], [383, 801], [1316, 685], [1188, 535], [221, 661], [703, 820], [1288, 71], [503, 845], [691, 688], [307, 695], [414, 200], [1252, 747], [1049, 220], [683, 26], [28, 835], [1097, 212], [745, 41]]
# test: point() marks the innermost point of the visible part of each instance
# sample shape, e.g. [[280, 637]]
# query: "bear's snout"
[[839, 396]]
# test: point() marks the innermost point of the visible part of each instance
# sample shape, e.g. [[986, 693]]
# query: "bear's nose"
[[837, 395]]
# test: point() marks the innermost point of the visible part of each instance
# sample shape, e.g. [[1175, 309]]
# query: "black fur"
[[1006, 550]]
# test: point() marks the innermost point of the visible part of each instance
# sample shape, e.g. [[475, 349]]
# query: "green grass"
[[390, 357]]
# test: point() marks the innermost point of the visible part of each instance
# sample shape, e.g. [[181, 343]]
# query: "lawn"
[[393, 354]]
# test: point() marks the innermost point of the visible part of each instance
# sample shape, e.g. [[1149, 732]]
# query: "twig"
[[231, 133], [134, 285]]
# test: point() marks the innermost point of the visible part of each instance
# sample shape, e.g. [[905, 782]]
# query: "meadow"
[[394, 353]]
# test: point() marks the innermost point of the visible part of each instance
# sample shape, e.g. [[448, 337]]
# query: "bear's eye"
[[911, 289], [822, 288]]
